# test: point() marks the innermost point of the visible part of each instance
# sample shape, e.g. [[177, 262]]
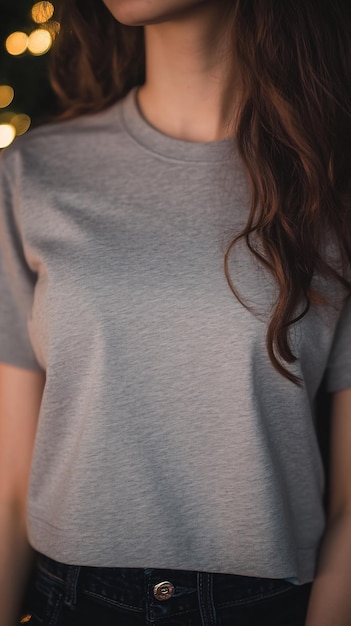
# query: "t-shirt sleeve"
[[339, 362], [17, 282]]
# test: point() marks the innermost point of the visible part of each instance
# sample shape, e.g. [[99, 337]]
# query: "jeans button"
[[164, 590]]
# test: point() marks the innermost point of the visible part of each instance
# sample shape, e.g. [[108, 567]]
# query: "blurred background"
[[27, 32]]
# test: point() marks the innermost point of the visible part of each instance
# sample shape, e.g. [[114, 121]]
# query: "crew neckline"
[[154, 140]]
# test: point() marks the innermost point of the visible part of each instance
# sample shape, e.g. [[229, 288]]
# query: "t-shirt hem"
[[63, 546]]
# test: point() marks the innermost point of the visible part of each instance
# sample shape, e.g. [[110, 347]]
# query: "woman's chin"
[[143, 12]]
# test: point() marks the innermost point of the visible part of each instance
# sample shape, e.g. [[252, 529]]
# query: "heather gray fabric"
[[166, 439]]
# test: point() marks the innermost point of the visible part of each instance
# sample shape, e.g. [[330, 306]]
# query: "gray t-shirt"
[[165, 438]]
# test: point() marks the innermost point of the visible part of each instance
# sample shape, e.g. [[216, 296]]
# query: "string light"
[[16, 43], [42, 12], [39, 41], [7, 135], [6, 95]]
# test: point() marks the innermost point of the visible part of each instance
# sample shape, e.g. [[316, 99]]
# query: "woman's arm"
[[20, 398], [330, 603]]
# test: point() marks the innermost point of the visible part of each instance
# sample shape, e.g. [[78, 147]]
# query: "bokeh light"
[[6, 95], [7, 135], [6, 116], [21, 123], [16, 43], [42, 12], [53, 27], [39, 41]]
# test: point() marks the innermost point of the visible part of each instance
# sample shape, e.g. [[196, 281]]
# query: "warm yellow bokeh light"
[[7, 135], [6, 95], [39, 41], [42, 12], [53, 27], [21, 122], [6, 116], [16, 43]]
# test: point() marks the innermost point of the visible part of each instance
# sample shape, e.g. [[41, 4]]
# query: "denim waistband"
[[131, 587]]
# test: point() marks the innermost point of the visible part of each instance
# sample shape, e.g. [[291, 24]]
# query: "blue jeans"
[[68, 595]]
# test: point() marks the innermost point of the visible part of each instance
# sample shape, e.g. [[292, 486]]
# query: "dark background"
[[27, 74]]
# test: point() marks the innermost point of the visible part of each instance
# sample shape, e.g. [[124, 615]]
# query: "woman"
[[175, 475]]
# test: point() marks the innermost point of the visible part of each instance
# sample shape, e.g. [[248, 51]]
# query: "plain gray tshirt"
[[166, 438]]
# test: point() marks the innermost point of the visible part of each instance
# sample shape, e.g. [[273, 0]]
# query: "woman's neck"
[[189, 92]]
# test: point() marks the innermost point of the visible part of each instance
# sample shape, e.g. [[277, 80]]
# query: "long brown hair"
[[293, 129]]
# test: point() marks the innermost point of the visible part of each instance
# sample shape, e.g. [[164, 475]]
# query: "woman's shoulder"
[[62, 140]]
